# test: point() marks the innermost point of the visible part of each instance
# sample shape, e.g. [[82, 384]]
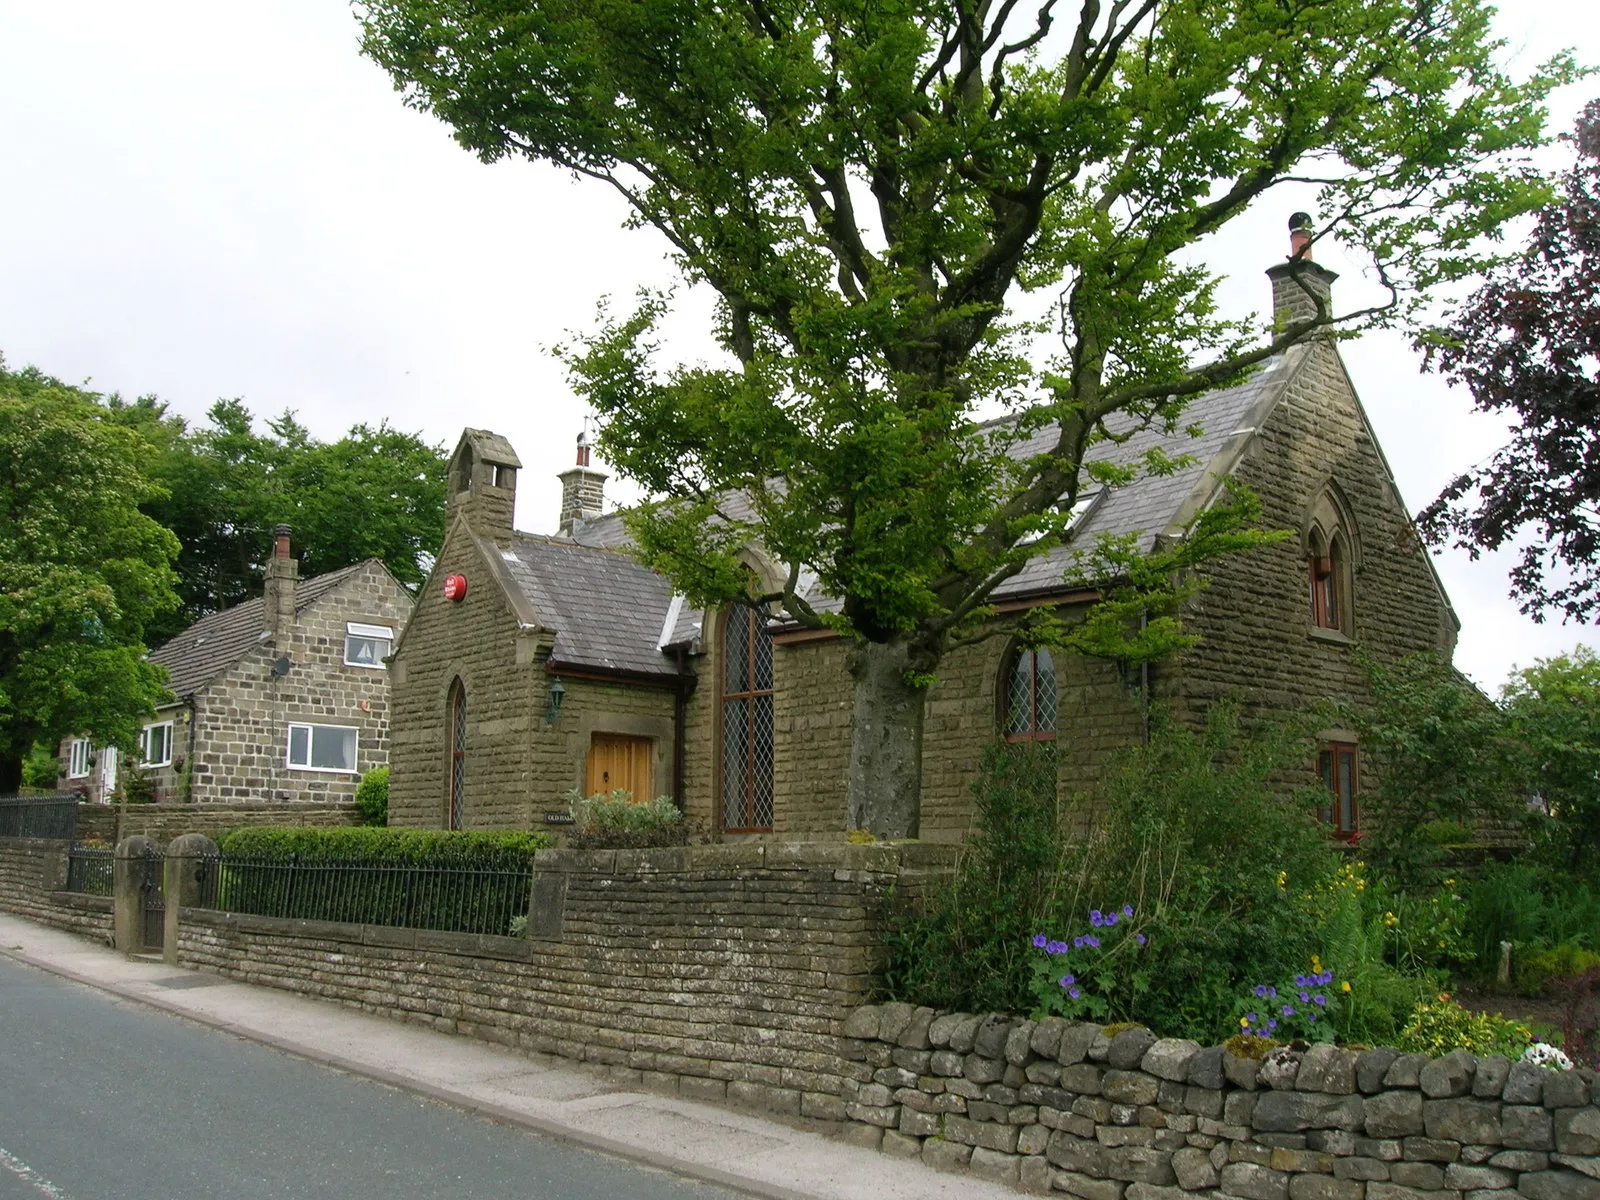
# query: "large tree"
[[82, 571], [1527, 345], [374, 493], [874, 189]]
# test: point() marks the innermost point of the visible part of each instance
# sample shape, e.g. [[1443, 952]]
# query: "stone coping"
[[880, 857], [80, 900]]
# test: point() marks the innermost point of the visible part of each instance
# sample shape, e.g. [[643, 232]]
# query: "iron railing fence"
[[446, 898], [39, 817], [89, 870]]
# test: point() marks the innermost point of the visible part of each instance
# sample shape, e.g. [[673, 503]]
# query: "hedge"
[[413, 878]]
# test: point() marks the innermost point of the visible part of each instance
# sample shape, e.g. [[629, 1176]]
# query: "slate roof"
[[214, 643], [605, 608], [610, 612]]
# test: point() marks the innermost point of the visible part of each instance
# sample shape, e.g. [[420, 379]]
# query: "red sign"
[[455, 587]]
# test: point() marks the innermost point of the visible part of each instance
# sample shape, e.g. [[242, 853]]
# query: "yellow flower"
[[1345, 986], [1316, 964], [1244, 1022]]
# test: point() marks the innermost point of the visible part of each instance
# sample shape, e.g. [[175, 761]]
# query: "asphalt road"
[[101, 1099]]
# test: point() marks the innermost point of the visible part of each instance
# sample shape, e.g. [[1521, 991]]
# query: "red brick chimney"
[[1297, 282]]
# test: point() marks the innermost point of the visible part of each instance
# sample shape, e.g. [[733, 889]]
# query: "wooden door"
[[617, 760]]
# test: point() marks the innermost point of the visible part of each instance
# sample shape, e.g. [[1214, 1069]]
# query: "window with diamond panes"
[[746, 722], [458, 752], [1030, 712]]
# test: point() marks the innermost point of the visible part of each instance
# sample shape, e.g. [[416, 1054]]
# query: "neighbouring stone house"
[[533, 664], [279, 699]]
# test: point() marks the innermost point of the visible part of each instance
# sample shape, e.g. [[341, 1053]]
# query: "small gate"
[[153, 902]]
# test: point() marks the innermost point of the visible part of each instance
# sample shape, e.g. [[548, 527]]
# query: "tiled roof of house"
[[214, 643], [610, 612]]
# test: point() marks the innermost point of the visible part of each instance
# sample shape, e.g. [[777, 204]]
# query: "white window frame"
[[355, 629], [288, 748], [145, 760], [78, 755]]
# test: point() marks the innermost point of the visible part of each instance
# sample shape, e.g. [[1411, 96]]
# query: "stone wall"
[[720, 972], [31, 869], [110, 823], [1115, 1114]]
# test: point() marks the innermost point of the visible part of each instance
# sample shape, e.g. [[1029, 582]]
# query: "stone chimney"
[[481, 484], [283, 573], [1291, 279], [583, 491]]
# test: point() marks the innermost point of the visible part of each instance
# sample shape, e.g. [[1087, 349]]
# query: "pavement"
[[566, 1101]]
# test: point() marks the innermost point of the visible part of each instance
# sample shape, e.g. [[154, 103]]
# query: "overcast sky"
[[210, 199]]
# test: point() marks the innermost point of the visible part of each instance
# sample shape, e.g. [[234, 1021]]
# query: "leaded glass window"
[[746, 721], [458, 752], [1030, 697]]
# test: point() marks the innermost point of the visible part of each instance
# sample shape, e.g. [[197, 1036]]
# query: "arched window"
[[1030, 697], [746, 721], [1330, 556], [457, 728]]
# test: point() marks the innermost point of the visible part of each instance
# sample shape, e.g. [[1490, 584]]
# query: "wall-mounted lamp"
[[558, 693]]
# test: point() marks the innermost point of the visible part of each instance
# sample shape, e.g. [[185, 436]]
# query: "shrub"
[[1536, 967], [616, 821], [372, 797], [41, 768], [1192, 830], [136, 786], [1442, 1025], [1553, 709], [1533, 907]]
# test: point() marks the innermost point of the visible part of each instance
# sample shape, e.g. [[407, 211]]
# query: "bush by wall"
[[616, 821], [372, 797]]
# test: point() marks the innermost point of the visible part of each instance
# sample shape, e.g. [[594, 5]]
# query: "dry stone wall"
[[1115, 1113]]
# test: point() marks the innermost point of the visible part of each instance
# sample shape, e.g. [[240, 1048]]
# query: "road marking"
[[30, 1177]]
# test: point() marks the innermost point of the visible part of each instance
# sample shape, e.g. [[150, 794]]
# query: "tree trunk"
[[10, 774], [884, 789]]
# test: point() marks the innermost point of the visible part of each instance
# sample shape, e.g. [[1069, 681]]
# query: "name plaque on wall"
[[559, 818]]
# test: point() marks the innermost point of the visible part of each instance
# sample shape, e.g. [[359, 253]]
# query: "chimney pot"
[[1300, 236], [280, 541], [583, 449]]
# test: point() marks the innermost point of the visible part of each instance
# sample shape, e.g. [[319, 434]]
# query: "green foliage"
[[1440, 751], [616, 821], [41, 769], [969, 949], [1553, 710], [1443, 1025], [134, 785], [372, 797], [882, 196], [374, 493], [1191, 830], [486, 850], [1532, 906], [83, 572], [1536, 968]]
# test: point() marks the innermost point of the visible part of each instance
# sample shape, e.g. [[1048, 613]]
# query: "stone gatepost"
[[127, 891], [189, 859]]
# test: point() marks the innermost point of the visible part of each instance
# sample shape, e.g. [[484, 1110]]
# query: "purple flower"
[[1091, 941], [1074, 993], [1096, 918], [1322, 1001], [1111, 919], [1325, 978], [1251, 1017], [1301, 981], [1288, 1010], [1305, 997], [1055, 947], [1272, 993], [1261, 989], [1272, 1024], [1311, 1016], [1077, 943], [1039, 941], [1067, 981], [1140, 938], [1127, 910]]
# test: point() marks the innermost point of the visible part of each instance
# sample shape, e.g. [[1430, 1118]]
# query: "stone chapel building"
[[534, 663], [281, 699]]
